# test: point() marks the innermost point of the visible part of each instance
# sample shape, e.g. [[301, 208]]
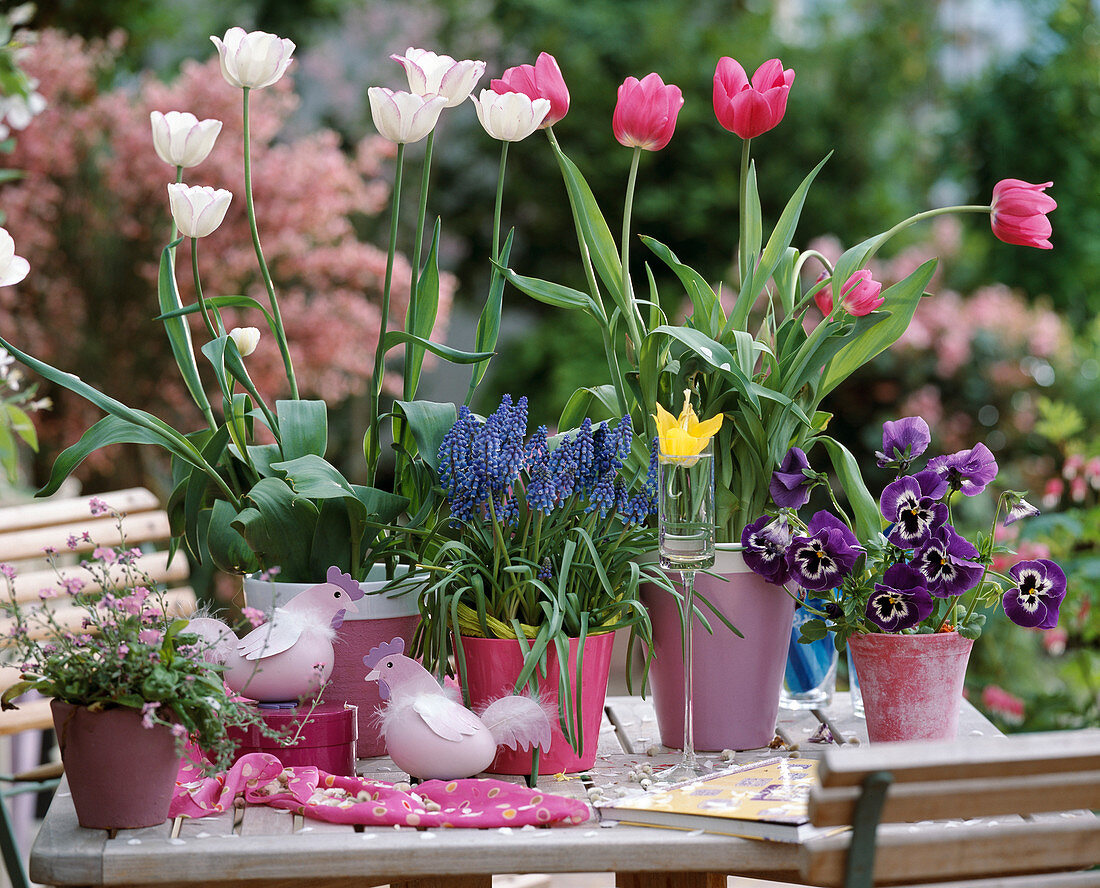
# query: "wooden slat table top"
[[266, 849]]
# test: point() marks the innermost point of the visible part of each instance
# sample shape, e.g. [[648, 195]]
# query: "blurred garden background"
[[921, 104]]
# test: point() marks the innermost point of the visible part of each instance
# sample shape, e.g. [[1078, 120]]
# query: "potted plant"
[[133, 686], [749, 349], [536, 569], [910, 599]]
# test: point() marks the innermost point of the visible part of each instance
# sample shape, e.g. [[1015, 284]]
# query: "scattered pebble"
[[369, 835], [606, 824], [728, 755], [654, 749], [795, 754], [176, 842], [133, 842], [853, 740], [694, 832], [505, 830], [645, 782], [427, 835], [403, 786]]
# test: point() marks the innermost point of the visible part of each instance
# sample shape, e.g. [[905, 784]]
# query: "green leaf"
[[421, 314], [582, 402], [454, 355], [179, 334], [229, 551], [754, 217], [702, 295], [717, 356], [303, 428], [428, 421], [557, 295], [488, 324], [20, 423], [868, 519], [278, 527], [197, 484], [9, 454], [901, 299]]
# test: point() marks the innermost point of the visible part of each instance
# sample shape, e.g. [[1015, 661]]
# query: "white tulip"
[[246, 339], [430, 74], [404, 117], [181, 139], [12, 268], [510, 117], [253, 60], [197, 209]]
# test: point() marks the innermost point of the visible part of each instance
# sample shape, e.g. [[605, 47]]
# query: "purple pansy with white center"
[[790, 485], [900, 565]]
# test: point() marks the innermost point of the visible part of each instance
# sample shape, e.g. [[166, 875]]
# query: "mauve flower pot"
[[911, 684], [121, 774], [494, 664]]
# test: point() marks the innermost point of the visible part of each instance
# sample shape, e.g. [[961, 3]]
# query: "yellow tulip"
[[686, 435]]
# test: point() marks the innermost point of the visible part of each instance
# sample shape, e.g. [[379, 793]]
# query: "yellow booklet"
[[763, 800]]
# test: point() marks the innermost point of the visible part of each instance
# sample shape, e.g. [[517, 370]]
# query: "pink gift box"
[[326, 740]]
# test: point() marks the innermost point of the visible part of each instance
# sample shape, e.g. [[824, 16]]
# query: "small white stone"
[[853, 740], [133, 842], [176, 842], [607, 824], [369, 835], [645, 783], [202, 835], [505, 830], [694, 832], [654, 749], [591, 834], [427, 835]]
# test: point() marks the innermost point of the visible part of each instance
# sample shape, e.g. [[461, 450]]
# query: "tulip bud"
[[430, 75], [197, 209], [404, 117], [181, 139], [12, 268], [253, 60], [543, 80], [645, 114], [510, 117], [751, 109], [246, 339], [860, 294], [1019, 213]]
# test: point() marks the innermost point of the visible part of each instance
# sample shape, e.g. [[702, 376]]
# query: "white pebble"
[[853, 740], [694, 832], [505, 830], [176, 842], [134, 842], [654, 749], [645, 783], [427, 835], [591, 834], [977, 733], [728, 755], [369, 835], [606, 824]]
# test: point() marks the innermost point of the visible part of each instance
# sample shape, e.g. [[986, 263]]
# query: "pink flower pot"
[[100, 750], [381, 618], [911, 684], [736, 681], [491, 669]]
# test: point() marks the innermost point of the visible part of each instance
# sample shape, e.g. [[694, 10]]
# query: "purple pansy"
[[968, 470], [765, 544], [910, 504], [903, 440], [900, 601], [825, 556], [1034, 601], [789, 487], [947, 563], [1019, 508]]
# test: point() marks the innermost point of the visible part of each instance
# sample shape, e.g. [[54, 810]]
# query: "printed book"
[[762, 800]]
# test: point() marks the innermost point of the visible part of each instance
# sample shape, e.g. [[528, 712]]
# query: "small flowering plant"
[[917, 575], [129, 649], [544, 536]]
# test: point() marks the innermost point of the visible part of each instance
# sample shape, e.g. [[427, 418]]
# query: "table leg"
[[670, 880], [445, 882]]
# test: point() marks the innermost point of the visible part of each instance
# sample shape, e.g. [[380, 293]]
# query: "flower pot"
[[911, 684], [491, 669], [381, 618], [99, 750], [736, 681]]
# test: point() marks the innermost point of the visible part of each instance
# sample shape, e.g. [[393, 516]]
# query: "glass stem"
[[687, 578]]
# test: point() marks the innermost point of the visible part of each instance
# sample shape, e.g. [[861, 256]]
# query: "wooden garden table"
[[260, 847]]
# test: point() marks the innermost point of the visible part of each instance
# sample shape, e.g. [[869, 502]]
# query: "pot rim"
[[268, 594]]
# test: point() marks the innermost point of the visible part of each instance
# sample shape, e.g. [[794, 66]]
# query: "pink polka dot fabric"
[[476, 803]]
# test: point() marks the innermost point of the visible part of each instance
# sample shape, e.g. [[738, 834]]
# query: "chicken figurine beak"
[[372, 676]]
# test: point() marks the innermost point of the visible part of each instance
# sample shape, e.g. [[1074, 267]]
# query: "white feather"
[[518, 722]]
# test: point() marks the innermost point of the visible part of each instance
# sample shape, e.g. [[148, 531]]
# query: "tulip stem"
[[374, 447], [198, 289], [743, 211], [280, 333], [920, 217], [414, 288], [628, 290], [499, 201]]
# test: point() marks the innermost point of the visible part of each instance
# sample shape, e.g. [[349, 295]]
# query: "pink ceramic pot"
[[911, 684], [381, 618], [736, 681], [491, 669], [100, 750]]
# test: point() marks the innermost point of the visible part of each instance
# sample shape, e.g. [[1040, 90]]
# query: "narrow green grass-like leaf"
[[488, 324]]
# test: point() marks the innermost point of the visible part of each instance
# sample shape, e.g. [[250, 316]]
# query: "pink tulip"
[[645, 114], [1019, 213], [860, 294], [543, 80], [751, 109]]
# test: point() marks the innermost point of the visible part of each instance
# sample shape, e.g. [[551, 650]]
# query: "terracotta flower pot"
[[911, 684], [100, 750], [736, 681], [380, 619], [494, 664]]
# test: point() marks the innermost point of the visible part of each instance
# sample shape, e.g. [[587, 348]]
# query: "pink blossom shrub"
[[92, 216]]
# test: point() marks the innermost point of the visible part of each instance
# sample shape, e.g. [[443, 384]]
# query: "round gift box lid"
[[327, 724]]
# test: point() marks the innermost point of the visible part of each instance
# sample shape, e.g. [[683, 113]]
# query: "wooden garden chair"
[[982, 812]]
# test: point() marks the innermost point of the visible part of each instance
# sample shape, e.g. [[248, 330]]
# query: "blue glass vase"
[[810, 677]]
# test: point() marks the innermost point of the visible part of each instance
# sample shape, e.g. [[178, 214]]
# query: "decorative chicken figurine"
[[290, 656], [431, 735]]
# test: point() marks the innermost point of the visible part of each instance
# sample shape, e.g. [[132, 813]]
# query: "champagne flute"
[[685, 524]]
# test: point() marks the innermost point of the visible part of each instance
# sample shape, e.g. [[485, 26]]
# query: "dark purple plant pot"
[[121, 774]]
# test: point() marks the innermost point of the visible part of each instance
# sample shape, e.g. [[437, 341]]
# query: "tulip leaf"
[[902, 300], [303, 428], [868, 519], [454, 355], [196, 487], [702, 295], [717, 356], [421, 314], [218, 302], [753, 235], [228, 549], [488, 324], [429, 422], [582, 401], [557, 295], [179, 335], [278, 527]]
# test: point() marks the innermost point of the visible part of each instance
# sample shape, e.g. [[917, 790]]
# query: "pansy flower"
[[968, 470], [910, 504], [790, 486], [900, 601], [903, 440], [825, 556], [1018, 508], [1034, 601], [947, 563], [765, 544]]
